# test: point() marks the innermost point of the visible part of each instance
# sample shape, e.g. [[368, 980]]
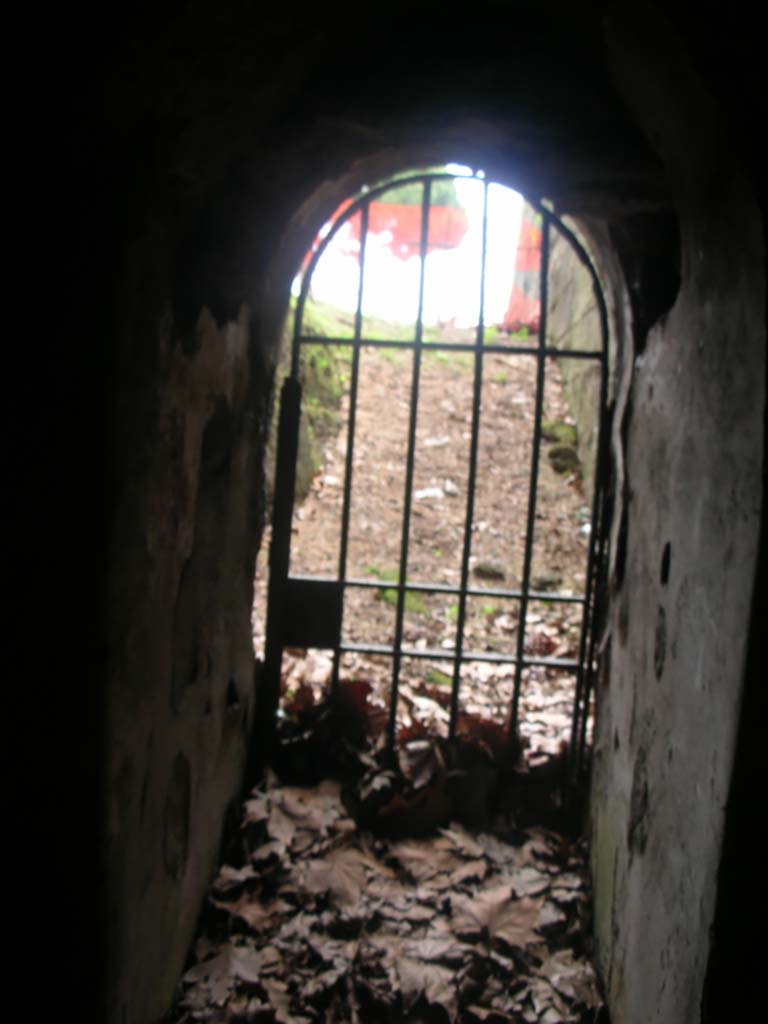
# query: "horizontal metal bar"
[[449, 346], [440, 654], [444, 588]]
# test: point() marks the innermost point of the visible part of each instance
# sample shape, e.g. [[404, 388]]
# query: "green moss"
[[564, 458], [558, 432]]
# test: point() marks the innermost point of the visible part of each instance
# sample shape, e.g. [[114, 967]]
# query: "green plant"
[[501, 377], [434, 677]]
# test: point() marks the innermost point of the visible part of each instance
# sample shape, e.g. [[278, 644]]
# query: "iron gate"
[[307, 611]]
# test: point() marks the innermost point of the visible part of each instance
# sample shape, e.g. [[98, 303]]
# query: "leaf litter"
[[342, 905], [442, 881]]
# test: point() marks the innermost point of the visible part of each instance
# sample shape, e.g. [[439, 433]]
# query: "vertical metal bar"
[[298, 318], [349, 461], [471, 477], [588, 617], [543, 294], [423, 246], [280, 546]]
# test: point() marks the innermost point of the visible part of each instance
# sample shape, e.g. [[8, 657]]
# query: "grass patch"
[[435, 677], [413, 602], [457, 360]]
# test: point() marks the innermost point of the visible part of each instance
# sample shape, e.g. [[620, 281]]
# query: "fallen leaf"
[[437, 984], [268, 851], [302, 700], [493, 914], [429, 949], [280, 1001], [574, 979], [342, 873], [549, 917], [256, 914], [462, 839], [422, 859], [256, 810], [231, 879], [221, 972], [472, 869], [281, 827], [529, 882]]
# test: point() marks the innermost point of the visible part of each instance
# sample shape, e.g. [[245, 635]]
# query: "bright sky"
[[452, 281]]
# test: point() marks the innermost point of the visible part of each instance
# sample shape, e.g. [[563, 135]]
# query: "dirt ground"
[[439, 508]]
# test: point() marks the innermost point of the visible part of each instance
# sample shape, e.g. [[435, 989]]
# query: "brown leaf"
[[502, 853], [462, 839], [471, 869], [280, 1000], [342, 873], [485, 731], [317, 808], [493, 914], [302, 700], [423, 859], [231, 879], [436, 983], [549, 917], [416, 815], [281, 826], [575, 979], [256, 914], [529, 882], [430, 949], [256, 810], [490, 1014], [233, 962]]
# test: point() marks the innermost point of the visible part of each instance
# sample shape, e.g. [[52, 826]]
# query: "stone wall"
[[573, 322], [182, 684], [684, 555]]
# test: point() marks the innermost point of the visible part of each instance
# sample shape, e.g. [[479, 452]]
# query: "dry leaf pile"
[[321, 921]]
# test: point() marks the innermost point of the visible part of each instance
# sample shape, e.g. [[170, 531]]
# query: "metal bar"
[[586, 671], [349, 461], [539, 404], [400, 611], [280, 546], [477, 394], [458, 346], [443, 588], [580, 707], [439, 654]]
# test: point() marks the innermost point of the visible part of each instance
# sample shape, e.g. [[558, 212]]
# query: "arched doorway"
[[443, 520]]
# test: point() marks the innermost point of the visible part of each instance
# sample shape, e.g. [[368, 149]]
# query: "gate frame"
[[306, 611]]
